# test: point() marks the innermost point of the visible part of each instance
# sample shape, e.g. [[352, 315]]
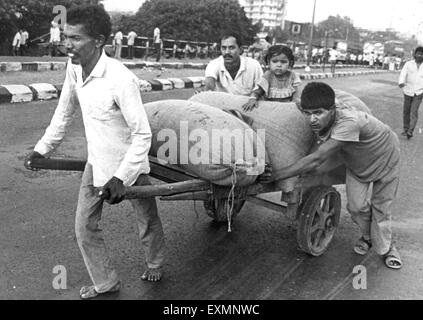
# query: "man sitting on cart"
[[370, 151]]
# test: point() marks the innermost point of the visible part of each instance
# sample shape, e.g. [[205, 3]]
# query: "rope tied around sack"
[[231, 198]]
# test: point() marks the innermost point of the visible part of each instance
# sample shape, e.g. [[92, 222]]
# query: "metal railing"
[[144, 47]]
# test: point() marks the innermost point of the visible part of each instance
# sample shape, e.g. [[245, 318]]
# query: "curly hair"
[[94, 18], [276, 50]]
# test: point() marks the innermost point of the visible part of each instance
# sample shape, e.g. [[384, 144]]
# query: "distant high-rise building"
[[271, 12]]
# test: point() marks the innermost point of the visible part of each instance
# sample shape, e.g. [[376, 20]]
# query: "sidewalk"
[[46, 91], [43, 90]]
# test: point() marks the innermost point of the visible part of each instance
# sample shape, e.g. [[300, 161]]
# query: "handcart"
[[314, 203]]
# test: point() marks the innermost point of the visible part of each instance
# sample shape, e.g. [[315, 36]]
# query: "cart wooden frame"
[[314, 203]]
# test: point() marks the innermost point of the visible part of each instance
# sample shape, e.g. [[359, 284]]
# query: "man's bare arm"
[[310, 162], [209, 84]]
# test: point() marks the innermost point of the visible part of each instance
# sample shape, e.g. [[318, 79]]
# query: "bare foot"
[[152, 274]]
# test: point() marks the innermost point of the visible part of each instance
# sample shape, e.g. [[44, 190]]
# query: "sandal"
[[362, 246], [392, 258], [152, 274], [89, 292]]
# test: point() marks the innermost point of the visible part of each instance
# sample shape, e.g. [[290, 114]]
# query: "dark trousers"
[[157, 47], [332, 66], [130, 52], [23, 49], [411, 112], [15, 50]]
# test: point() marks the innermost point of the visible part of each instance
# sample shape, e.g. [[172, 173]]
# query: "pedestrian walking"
[[54, 39], [24, 41], [157, 42], [117, 44], [333, 53], [411, 81], [16, 44], [131, 41]]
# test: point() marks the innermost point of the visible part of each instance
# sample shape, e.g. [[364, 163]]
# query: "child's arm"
[[296, 85], [296, 96], [254, 96]]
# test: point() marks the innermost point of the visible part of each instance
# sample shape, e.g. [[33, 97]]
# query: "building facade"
[[271, 13]]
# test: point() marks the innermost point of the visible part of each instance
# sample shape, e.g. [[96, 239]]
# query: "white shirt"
[[332, 55], [156, 35], [17, 40], [116, 125], [249, 74], [412, 78], [131, 38], [24, 37], [118, 37], [54, 34]]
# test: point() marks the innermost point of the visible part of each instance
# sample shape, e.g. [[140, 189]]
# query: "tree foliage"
[[194, 20], [33, 15], [338, 27]]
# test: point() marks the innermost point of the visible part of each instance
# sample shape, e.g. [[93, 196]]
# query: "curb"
[[46, 91], [39, 66]]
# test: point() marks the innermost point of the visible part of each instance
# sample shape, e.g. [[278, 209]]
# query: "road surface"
[[259, 259]]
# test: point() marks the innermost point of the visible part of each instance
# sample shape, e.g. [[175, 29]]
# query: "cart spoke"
[[330, 213], [320, 212], [315, 227], [326, 204], [316, 242]]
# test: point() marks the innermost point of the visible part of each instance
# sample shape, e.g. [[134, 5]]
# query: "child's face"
[[279, 64]]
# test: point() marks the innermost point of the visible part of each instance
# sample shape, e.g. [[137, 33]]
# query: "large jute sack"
[[205, 141], [288, 136]]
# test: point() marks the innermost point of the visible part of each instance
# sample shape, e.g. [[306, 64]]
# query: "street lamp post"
[[311, 37], [326, 49]]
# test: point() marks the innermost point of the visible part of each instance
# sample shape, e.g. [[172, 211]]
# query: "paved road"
[[258, 260]]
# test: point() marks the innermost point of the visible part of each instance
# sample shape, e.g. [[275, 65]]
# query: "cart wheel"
[[216, 209], [318, 219]]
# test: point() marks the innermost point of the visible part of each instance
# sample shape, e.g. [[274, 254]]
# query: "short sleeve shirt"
[[279, 88], [156, 35], [332, 55], [118, 37], [131, 38], [17, 40], [372, 148], [248, 76]]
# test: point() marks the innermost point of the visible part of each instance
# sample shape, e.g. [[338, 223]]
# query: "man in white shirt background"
[[232, 72], [16, 43], [411, 81], [117, 44], [157, 42], [118, 138], [24, 41], [131, 40], [54, 38], [333, 53]]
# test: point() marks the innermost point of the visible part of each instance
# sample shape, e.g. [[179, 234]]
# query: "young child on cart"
[[279, 83]]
